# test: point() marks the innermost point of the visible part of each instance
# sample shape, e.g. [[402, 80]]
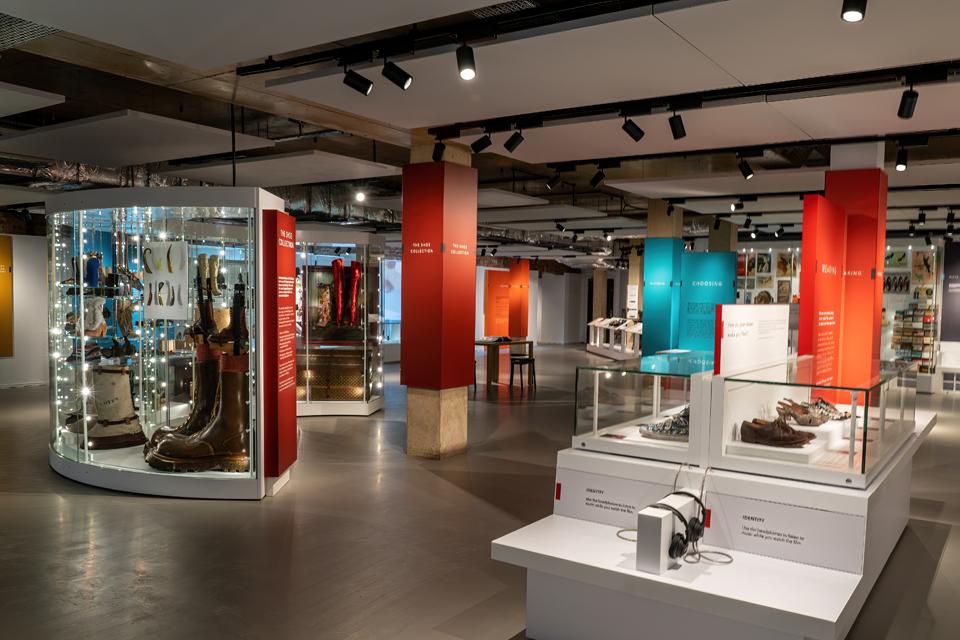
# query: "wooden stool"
[[521, 362]]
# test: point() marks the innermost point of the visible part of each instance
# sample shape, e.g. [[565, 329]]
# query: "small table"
[[493, 355]]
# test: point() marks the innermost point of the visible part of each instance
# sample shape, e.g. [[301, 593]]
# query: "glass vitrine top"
[[811, 371], [680, 364]]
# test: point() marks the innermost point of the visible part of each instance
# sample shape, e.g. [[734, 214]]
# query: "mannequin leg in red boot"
[[337, 291], [355, 271]]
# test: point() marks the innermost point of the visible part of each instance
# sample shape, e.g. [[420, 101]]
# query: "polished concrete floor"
[[365, 542]]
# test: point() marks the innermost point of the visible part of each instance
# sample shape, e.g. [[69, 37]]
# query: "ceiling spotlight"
[[359, 196], [951, 216], [561, 228], [438, 150], [466, 63], [747, 222], [481, 143], [922, 218], [513, 142], [776, 233], [676, 126], [908, 103], [901, 159], [745, 169], [929, 240], [669, 210], [357, 82], [633, 130], [753, 235], [483, 252], [716, 223], [736, 206], [608, 236], [597, 178], [575, 237], [396, 75], [554, 181], [912, 229], [950, 230], [854, 10], [493, 251]]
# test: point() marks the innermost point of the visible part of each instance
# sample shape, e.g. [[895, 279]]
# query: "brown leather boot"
[[224, 443], [206, 394], [771, 434]]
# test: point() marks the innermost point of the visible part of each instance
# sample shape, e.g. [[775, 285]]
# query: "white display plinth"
[[805, 555]]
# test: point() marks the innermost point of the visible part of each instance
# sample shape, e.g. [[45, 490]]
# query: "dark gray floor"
[[365, 542]]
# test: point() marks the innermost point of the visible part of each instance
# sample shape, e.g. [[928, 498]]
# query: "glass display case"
[[152, 310], [339, 325], [779, 420], [654, 407]]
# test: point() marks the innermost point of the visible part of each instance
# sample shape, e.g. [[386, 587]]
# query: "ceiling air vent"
[[15, 32], [504, 8]]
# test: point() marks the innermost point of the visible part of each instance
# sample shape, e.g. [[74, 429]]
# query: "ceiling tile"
[[215, 33], [125, 138], [623, 60], [302, 167], [16, 99]]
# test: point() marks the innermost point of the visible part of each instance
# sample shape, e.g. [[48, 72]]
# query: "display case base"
[[615, 352], [333, 408], [134, 479]]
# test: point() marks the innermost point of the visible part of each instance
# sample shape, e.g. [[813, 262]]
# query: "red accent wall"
[[497, 303], [438, 292], [821, 285], [277, 381]]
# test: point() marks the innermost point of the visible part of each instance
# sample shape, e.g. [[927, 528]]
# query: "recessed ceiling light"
[[396, 75], [854, 10], [465, 62], [357, 82]]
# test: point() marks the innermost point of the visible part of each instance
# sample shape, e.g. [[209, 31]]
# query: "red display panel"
[[438, 292], [821, 285], [863, 196], [496, 303], [278, 379], [519, 298]]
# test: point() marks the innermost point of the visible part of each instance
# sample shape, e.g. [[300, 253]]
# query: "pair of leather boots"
[[214, 436]]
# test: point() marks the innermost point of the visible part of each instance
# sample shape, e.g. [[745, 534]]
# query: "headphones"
[[692, 529]]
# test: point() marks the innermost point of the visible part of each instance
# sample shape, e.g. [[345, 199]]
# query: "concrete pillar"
[[662, 225], [724, 238], [599, 305], [438, 290]]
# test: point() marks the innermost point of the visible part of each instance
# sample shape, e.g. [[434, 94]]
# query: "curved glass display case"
[[153, 356], [339, 327]]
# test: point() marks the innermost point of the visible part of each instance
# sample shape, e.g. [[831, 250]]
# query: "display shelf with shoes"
[[339, 332], [154, 381], [653, 407], [792, 413]]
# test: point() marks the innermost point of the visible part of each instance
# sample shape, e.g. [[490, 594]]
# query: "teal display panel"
[[661, 294], [707, 279]]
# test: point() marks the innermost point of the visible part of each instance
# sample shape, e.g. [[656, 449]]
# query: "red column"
[[439, 275], [862, 193]]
